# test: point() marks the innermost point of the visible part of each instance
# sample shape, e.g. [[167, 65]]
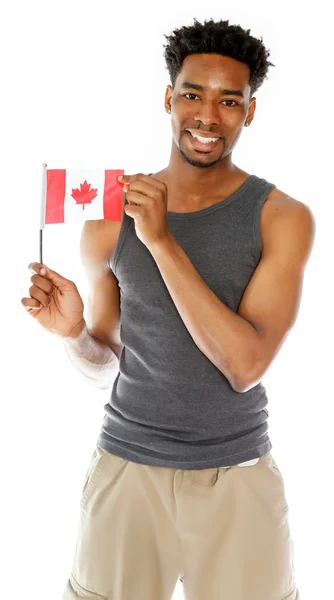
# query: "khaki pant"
[[224, 531]]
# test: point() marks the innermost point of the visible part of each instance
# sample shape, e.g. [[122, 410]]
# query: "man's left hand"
[[147, 198]]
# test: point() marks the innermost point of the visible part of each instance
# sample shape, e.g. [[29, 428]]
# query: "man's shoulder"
[[280, 203], [283, 213], [99, 239]]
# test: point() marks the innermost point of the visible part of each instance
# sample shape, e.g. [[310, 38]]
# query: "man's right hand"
[[54, 302]]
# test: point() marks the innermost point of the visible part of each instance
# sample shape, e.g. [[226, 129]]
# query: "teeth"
[[202, 139]]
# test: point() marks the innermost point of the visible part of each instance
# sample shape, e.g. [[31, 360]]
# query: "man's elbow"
[[241, 388], [99, 383], [246, 381]]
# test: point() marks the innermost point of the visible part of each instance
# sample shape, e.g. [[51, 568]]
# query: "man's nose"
[[208, 114]]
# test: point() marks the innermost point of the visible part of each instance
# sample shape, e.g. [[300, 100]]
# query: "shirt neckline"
[[213, 207]]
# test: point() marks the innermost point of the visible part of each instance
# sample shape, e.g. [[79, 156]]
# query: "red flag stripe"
[[55, 196], [112, 196]]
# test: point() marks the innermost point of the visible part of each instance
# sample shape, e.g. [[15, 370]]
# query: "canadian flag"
[[81, 195]]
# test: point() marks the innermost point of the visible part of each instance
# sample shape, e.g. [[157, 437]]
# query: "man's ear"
[[251, 109], [168, 96]]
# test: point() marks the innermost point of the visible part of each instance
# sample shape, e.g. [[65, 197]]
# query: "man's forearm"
[[92, 358], [227, 340]]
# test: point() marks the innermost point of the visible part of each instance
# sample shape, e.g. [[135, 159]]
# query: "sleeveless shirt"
[[170, 405]]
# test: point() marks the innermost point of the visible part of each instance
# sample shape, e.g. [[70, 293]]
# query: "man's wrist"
[[76, 331]]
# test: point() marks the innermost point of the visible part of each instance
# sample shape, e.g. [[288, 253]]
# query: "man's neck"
[[198, 183], [192, 188]]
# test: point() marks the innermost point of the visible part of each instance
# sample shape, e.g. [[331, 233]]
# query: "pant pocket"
[[102, 471], [74, 591], [89, 473], [273, 468]]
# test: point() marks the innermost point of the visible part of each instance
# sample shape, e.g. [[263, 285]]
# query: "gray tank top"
[[169, 405]]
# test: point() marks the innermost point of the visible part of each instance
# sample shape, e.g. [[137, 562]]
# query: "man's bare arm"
[[94, 347], [243, 345], [94, 359]]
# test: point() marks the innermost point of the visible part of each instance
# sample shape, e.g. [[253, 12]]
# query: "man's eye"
[[185, 95], [235, 103], [231, 105]]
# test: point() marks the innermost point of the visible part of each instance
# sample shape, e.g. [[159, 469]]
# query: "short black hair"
[[218, 37]]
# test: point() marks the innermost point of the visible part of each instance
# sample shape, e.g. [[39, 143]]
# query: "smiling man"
[[191, 298], [214, 134]]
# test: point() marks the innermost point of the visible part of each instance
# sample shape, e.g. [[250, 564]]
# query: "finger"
[[145, 189], [132, 210], [53, 276], [30, 304], [37, 294], [159, 184], [42, 283], [136, 199], [131, 182], [124, 178], [35, 267]]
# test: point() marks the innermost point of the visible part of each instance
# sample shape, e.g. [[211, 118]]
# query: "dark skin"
[[241, 345], [195, 179]]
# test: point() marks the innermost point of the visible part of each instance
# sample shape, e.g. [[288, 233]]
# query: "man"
[[191, 297]]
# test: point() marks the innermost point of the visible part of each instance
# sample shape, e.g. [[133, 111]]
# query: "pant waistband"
[[248, 463]]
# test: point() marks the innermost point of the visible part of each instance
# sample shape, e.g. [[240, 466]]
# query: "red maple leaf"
[[84, 195]]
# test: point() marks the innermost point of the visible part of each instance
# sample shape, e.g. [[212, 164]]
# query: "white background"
[[83, 85]]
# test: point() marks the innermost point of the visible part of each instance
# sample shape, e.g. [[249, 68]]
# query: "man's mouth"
[[202, 143]]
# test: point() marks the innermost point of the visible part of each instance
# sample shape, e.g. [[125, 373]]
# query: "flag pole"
[[42, 214]]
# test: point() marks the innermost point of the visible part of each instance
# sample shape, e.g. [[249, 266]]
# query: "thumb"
[[53, 276]]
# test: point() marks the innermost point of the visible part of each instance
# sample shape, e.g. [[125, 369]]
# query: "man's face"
[[220, 108]]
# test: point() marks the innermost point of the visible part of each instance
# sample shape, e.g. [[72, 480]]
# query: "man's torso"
[[276, 202]]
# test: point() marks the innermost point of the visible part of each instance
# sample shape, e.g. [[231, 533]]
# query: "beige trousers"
[[223, 531]]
